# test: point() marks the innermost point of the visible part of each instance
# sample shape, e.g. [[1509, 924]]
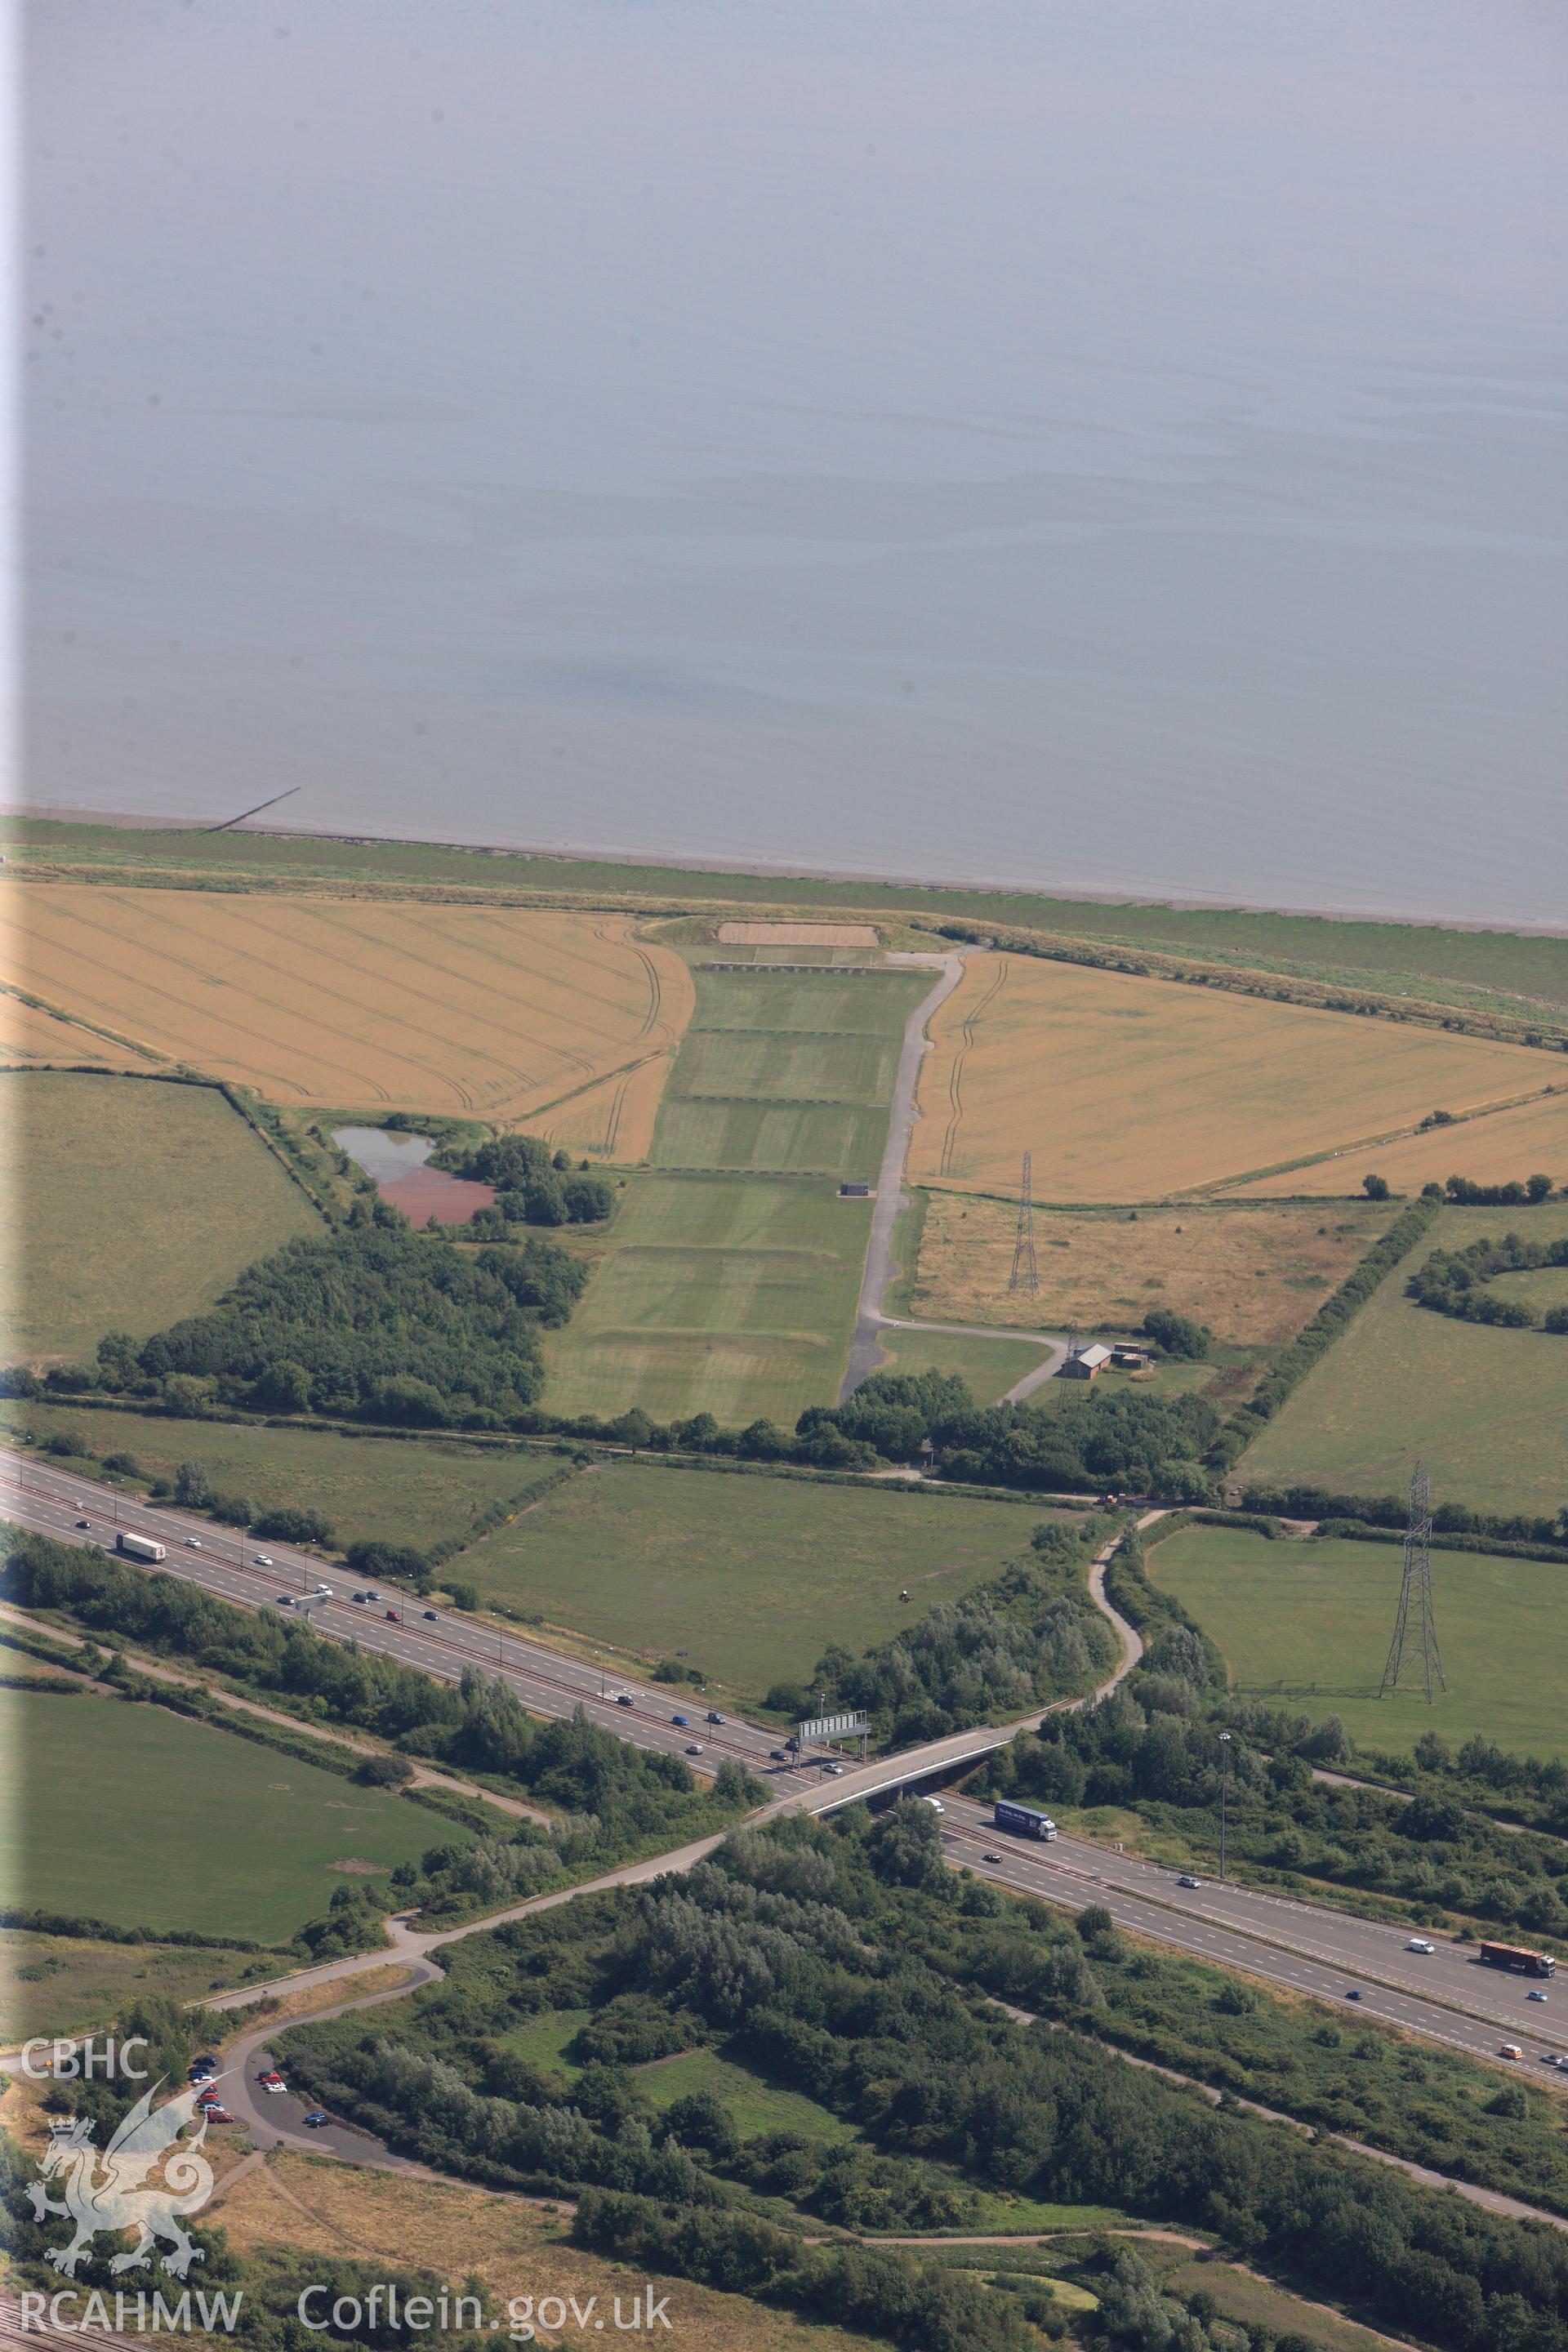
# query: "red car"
[[217, 2115]]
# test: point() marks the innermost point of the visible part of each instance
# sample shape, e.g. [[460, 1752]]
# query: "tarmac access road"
[[1447, 1996]]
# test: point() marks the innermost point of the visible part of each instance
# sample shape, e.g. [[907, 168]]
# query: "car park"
[[1509, 2050], [1187, 1879], [1419, 1944]]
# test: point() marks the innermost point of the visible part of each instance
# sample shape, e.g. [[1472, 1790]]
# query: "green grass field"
[[990, 1366], [754, 1576], [421, 1490], [816, 1139], [733, 1296], [69, 1984], [756, 2104], [718, 1292], [1485, 1409], [130, 1205], [131, 1814], [1311, 1623]]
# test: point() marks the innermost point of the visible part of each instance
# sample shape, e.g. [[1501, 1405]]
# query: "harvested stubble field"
[[516, 2246], [1498, 1148], [1130, 1089], [415, 1490], [1255, 1275], [1484, 1408], [497, 1011], [798, 935], [1311, 1623], [730, 1295], [97, 1774], [130, 1203], [753, 1575]]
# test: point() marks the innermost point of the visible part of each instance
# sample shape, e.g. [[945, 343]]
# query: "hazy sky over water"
[[1112, 444]]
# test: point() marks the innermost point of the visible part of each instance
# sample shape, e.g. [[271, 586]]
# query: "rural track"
[[955, 1075], [864, 1349]]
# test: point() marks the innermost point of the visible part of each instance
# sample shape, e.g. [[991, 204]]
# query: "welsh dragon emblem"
[[104, 2191]]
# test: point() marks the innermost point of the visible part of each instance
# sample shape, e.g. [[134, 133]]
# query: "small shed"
[[1130, 1360], [854, 1192], [1086, 1363]]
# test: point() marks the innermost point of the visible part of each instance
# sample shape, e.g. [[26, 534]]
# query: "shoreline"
[[766, 870]]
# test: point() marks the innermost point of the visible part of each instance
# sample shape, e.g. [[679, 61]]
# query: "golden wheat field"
[[1493, 1149], [1128, 1089], [31, 1038], [501, 1012], [1254, 1274]]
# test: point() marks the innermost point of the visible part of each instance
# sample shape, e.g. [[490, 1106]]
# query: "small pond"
[[397, 1162]]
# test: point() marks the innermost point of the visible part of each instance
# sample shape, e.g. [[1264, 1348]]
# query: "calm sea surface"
[[1100, 442]]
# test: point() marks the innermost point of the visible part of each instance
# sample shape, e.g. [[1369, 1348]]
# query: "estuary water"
[[1099, 444]]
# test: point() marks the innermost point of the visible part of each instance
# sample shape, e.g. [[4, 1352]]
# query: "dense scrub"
[[817, 1954], [374, 1320]]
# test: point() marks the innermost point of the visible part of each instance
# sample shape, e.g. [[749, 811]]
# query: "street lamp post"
[[1224, 1773]]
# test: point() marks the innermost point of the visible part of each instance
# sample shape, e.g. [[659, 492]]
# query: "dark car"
[[1354, 1993], [393, 1618], [83, 1523], [625, 1698], [203, 2066], [778, 1756], [316, 2120], [285, 1600], [681, 1722], [431, 1615]]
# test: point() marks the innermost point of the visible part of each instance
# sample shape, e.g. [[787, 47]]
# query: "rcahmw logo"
[[109, 2191]]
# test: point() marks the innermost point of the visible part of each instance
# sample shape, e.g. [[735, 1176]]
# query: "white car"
[[695, 1747], [323, 1592], [1419, 1944], [834, 1770], [260, 1560], [192, 1543]]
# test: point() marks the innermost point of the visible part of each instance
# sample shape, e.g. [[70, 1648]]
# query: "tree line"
[[1456, 1282]]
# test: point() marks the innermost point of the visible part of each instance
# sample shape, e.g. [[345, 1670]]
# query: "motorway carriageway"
[[1444, 1996], [1307, 1950], [36, 1493]]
